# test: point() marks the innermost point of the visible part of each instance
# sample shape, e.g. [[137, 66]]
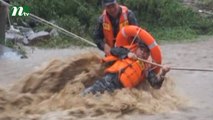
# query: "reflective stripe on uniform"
[[152, 45], [125, 16], [123, 33], [104, 16]]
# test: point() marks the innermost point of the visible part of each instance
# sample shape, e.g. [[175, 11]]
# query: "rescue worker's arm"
[[165, 69], [98, 34], [156, 81], [120, 52], [131, 18]]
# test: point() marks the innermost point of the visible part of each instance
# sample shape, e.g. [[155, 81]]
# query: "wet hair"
[[141, 44]]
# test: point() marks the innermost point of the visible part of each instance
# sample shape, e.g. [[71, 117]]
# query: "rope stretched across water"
[[177, 68]]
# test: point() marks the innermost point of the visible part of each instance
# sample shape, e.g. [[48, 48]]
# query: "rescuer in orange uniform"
[[126, 71], [113, 18]]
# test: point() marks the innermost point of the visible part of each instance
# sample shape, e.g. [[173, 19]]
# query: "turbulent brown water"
[[53, 92]]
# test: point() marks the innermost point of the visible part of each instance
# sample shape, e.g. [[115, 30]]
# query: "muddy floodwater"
[[47, 86]]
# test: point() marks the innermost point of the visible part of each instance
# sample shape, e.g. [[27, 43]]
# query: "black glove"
[[120, 52]]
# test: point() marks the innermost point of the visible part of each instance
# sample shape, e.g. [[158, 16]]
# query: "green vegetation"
[[169, 19], [164, 19]]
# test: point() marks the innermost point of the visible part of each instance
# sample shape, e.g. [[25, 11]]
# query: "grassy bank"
[[164, 19]]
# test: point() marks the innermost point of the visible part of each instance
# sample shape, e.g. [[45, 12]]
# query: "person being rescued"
[[124, 69]]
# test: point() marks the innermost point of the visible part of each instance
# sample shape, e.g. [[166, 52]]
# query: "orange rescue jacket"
[[131, 72], [107, 26]]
